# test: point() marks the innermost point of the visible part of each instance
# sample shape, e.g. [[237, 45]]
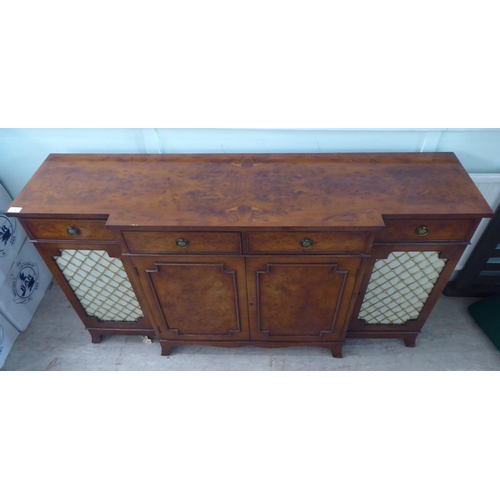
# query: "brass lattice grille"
[[399, 287], [101, 284]]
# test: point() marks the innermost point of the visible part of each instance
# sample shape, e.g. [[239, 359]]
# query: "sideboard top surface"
[[323, 190]]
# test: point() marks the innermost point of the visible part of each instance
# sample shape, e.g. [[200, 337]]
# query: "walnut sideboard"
[[270, 250]]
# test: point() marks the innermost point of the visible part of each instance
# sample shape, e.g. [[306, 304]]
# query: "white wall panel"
[[287, 141], [478, 150], [22, 151]]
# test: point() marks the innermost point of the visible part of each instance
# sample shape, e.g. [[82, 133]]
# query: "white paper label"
[[15, 209]]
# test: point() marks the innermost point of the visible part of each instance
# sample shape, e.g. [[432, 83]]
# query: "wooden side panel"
[[196, 297], [300, 298]]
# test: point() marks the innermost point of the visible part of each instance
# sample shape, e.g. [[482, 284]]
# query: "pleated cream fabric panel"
[[399, 287], [101, 284]]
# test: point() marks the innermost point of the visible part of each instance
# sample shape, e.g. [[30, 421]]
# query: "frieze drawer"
[[69, 229], [306, 242], [182, 242], [424, 230]]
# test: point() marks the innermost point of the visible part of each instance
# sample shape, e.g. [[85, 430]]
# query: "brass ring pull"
[[422, 230], [73, 231], [306, 243], [181, 242]]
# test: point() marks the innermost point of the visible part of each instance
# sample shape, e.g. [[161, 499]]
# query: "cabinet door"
[[196, 298], [400, 287], [99, 285], [300, 298]]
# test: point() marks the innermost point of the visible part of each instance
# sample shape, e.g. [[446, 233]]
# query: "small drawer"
[[182, 242], [306, 242], [423, 230], [68, 229]]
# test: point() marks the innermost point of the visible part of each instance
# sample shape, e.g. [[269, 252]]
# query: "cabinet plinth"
[[270, 250]]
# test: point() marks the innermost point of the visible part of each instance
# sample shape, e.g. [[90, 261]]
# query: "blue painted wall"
[[23, 150]]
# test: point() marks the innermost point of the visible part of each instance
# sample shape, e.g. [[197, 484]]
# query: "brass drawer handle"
[[73, 231], [422, 230], [306, 243], [182, 242]]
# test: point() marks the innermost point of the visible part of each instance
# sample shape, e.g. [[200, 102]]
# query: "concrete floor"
[[57, 340]]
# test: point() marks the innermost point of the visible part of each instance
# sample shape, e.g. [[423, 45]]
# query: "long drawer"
[[306, 242], [183, 242]]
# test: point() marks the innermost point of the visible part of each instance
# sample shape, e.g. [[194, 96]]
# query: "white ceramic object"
[[8, 335], [24, 287], [12, 236]]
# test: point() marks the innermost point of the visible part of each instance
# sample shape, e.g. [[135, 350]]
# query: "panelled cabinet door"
[[196, 298], [300, 298]]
